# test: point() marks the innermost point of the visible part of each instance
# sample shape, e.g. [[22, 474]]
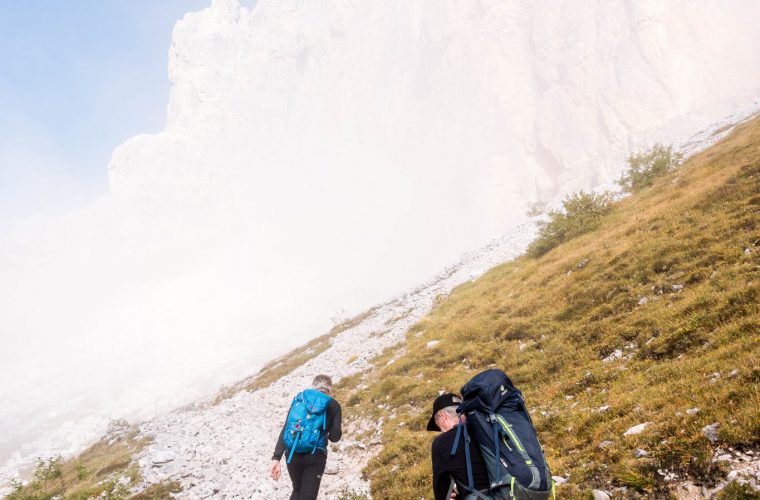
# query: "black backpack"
[[500, 425]]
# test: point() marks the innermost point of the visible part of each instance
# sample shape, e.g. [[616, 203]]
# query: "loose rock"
[[711, 432], [601, 495], [636, 429]]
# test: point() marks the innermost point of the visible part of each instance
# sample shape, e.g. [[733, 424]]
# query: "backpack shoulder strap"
[[479, 494], [462, 429]]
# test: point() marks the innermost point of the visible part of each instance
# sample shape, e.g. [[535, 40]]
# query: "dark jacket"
[[447, 467], [334, 431]]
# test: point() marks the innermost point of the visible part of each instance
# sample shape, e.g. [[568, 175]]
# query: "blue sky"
[[77, 78]]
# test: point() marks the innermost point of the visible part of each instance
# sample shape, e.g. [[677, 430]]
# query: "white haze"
[[326, 155]]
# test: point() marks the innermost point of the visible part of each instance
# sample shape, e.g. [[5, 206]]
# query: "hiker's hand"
[[276, 470]]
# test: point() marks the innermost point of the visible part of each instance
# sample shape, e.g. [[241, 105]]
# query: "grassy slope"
[[284, 365], [580, 302], [92, 473]]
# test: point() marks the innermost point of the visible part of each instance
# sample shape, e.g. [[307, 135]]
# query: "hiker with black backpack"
[[492, 415], [313, 419]]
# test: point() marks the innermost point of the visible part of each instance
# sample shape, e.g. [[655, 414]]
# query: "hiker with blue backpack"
[[489, 449], [313, 419]]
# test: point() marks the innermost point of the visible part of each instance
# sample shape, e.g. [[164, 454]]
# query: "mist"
[[321, 157]]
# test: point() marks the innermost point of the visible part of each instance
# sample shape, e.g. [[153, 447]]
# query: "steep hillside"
[[321, 155], [653, 318]]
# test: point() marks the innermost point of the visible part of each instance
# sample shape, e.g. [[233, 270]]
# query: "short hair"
[[322, 383], [451, 411]]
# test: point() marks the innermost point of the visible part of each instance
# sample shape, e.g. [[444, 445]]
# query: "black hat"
[[441, 402]]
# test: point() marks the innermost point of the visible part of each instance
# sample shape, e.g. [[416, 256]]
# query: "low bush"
[[581, 212], [645, 168]]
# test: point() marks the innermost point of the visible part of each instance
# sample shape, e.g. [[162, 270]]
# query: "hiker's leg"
[[295, 471], [312, 475]]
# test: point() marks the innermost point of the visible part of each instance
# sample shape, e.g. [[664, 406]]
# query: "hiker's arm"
[[279, 448], [336, 431], [441, 478]]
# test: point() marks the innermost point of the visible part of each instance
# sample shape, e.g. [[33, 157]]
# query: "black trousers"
[[305, 470]]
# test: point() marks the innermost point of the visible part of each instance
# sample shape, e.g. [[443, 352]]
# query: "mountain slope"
[[572, 328], [322, 155], [655, 317]]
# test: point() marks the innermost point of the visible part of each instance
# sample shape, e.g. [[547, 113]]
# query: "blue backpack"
[[306, 426], [498, 421]]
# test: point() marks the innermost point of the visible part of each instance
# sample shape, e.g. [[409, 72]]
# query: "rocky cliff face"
[[320, 155], [504, 101]]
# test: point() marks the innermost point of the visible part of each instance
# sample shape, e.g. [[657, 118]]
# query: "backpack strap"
[[479, 494], [322, 434], [456, 440], [496, 453], [467, 459], [452, 484], [293, 449]]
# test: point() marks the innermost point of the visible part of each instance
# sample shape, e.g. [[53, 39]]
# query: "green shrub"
[[645, 168], [349, 494], [580, 213], [81, 471], [736, 491], [159, 491], [47, 481]]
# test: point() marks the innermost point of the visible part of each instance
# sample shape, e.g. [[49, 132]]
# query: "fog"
[[322, 157]]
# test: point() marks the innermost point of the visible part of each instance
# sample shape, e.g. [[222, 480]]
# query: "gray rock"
[[605, 444], [616, 354], [640, 453], [692, 411], [163, 457], [559, 480], [601, 495], [636, 429], [711, 432], [643, 301]]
